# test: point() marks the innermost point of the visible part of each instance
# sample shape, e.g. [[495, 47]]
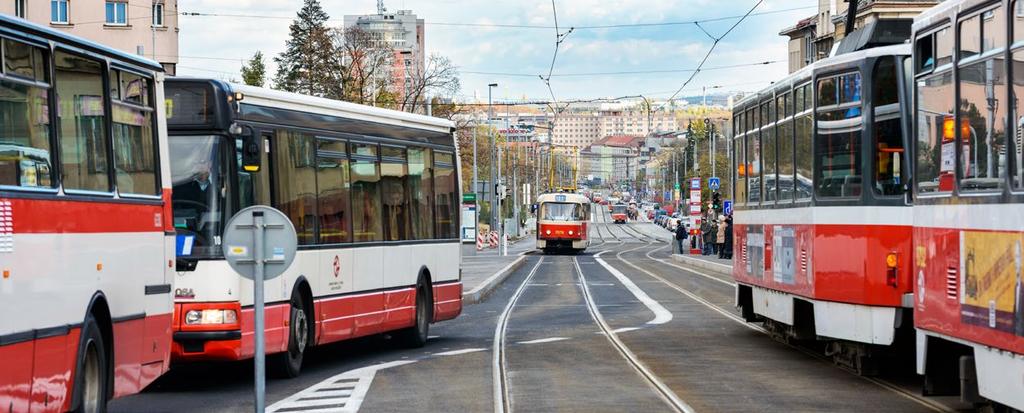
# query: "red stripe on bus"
[[60, 216]]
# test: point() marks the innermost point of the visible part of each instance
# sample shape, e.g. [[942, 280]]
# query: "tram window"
[[798, 99], [924, 51], [993, 29], [294, 162], [334, 203], [366, 209], [445, 194], [739, 171], [421, 193], [827, 92], [970, 37], [934, 150], [753, 168], [23, 60], [804, 157], [82, 125], [396, 203], [889, 161], [768, 152], [1018, 118], [982, 130], [837, 154], [786, 152], [134, 142], [944, 46]]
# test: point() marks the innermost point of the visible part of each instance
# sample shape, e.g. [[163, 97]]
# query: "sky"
[[216, 46]]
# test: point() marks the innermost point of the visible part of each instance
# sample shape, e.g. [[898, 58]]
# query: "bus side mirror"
[[251, 159]]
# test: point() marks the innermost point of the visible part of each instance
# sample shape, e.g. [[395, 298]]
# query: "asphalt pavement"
[[622, 327]]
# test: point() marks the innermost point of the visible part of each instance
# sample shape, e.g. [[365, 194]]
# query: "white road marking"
[[661, 314], [457, 352], [544, 340], [343, 393]]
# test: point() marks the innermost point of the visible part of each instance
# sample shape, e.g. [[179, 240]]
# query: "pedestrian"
[[728, 237], [680, 236], [705, 235], [720, 240], [713, 237]]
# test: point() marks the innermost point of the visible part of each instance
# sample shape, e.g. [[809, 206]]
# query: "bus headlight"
[[211, 316]]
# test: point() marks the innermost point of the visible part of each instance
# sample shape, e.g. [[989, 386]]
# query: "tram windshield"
[[562, 211]]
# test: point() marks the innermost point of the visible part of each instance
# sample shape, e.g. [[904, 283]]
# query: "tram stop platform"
[[705, 262], [483, 271]]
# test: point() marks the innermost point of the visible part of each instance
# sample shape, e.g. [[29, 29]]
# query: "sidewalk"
[[483, 271], [707, 262]]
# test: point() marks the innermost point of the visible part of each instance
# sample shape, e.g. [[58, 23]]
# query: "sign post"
[[469, 217], [694, 212], [251, 236]]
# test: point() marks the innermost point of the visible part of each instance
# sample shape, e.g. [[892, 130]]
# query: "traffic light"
[[716, 201]]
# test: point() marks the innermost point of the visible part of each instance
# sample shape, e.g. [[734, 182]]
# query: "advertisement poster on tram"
[[990, 264]]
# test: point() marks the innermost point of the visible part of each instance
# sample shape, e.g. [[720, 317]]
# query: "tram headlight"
[[211, 316], [570, 232], [548, 232]]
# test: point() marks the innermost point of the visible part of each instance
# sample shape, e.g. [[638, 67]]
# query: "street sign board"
[[677, 185], [727, 206], [714, 183], [469, 198], [695, 196], [695, 183], [259, 244]]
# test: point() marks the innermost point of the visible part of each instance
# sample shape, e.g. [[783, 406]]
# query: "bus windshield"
[[562, 211], [199, 177]]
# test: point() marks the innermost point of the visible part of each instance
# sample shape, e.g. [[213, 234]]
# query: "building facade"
[[147, 28], [582, 129], [402, 32]]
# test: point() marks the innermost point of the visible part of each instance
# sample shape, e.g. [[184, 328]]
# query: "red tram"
[[619, 213], [562, 222]]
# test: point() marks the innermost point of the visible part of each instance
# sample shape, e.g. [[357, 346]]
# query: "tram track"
[[733, 316], [502, 399]]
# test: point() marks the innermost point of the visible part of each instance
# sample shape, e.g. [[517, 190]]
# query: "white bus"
[[373, 194], [86, 242]]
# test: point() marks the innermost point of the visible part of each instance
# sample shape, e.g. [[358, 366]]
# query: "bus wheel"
[[416, 336], [289, 363], [91, 375]]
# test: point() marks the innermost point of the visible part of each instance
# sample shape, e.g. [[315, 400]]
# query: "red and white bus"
[[86, 242], [562, 222], [373, 194], [968, 209], [822, 227]]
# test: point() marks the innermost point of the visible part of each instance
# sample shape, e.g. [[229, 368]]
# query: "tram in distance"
[[562, 222], [86, 242], [619, 213], [373, 195]]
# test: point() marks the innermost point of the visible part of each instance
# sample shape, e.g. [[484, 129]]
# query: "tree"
[[310, 64], [366, 65], [440, 77], [254, 73]]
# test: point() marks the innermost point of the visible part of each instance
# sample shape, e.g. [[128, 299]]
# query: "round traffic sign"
[[259, 225]]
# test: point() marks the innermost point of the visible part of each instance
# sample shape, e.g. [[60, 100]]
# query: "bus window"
[[421, 192], [25, 158], [133, 138], [393, 172], [445, 194], [333, 192], [199, 181], [837, 144], [366, 209], [81, 121], [889, 161], [294, 167], [254, 187]]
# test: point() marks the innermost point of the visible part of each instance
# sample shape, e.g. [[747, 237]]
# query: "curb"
[[703, 264], [481, 291]]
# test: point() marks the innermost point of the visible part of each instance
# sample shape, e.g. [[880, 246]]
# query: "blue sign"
[[714, 183], [183, 245], [695, 183], [727, 207]]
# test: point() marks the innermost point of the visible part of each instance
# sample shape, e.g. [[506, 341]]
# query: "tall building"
[[147, 28], [582, 129], [402, 32]]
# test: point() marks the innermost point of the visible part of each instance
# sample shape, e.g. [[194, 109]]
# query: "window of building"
[[294, 165], [117, 13], [59, 11], [25, 153], [135, 145], [158, 15], [81, 128], [19, 8]]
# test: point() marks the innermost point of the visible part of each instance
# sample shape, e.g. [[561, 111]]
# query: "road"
[[621, 327]]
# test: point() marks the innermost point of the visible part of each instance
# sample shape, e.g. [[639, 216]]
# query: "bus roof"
[[12, 25], [294, 101]]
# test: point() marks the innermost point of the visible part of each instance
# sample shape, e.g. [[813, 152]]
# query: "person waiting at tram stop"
[[720, 237], [680, 236]]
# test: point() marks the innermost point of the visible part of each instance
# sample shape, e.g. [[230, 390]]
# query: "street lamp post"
[[493, 183]]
